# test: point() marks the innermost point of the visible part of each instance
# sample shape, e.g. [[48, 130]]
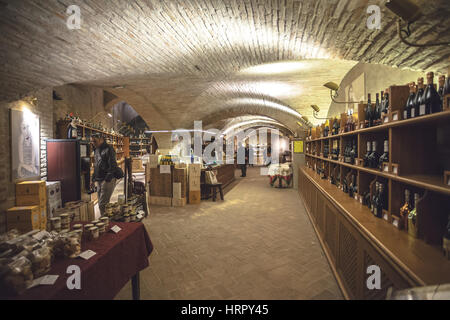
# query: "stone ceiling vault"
[[185, 60]]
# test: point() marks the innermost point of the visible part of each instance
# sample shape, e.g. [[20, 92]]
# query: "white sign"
[[116, 229], [164, 168], [86, 255]]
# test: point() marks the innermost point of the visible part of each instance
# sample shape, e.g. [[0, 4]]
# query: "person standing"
[[105, 169]]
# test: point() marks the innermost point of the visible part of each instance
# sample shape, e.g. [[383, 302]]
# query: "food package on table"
[[41, 260], [15, 276], [72, 246]]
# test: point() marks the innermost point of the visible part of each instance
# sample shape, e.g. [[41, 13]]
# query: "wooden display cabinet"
[[418, 150]]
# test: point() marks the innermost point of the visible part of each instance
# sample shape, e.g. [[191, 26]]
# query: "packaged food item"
[[72, 247], [78, 226], [15, 276], [101, 227], [105, 220], [55, 223], [126, 218], [41, 260], [93, 233], [133, 217], [95, 222]]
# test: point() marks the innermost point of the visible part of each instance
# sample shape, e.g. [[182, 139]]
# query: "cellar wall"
[[85, 102], [43, 107], [375, 77]]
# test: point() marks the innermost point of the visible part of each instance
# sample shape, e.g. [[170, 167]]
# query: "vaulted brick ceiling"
[[188, 60]]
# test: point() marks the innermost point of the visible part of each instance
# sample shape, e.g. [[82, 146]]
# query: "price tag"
[[413, 113], [385, 217], [115, 229], [164, 168], [395, 223], [47, 280], [86, 255]]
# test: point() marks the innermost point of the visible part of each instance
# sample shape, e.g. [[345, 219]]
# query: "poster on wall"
[[25, 141]]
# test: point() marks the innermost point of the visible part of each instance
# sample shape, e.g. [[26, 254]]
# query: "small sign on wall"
[[298, 146]]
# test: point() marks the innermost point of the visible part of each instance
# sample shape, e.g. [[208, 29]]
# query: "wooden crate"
[[161, 201], [194, 197], [161, 183], [178, 202], [24, 219], [31, 193]]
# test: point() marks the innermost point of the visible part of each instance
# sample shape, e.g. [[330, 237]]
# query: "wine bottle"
[[368, 112], [410, 101], [404, 211], [366, 156], [415, 111], [441, 85], [377, 110], [385, 156], [385, 105], [347, 150], [379, 201], [373, 199], [374, 156], [336, 126], [353, 152], [412, 217], [431, 101]]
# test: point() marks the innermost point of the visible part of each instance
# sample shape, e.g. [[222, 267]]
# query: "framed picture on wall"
[[25, 145]]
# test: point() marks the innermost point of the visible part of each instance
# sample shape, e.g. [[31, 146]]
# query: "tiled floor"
[[257, 244]]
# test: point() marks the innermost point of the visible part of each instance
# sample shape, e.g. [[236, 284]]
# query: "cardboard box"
[[31, 200], [194, 197], [53, 191], [161, 201], [153, 161], [30, 187], [137, 165], [43, 217], [24, 219], [91, 211], [178, 202], [195, 171], [177, 190], [180, 176], [52, 207]]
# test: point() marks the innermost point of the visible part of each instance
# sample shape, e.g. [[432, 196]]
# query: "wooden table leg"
[[135, 287]]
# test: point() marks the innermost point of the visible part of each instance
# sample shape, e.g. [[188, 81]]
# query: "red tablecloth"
[[119, 257]]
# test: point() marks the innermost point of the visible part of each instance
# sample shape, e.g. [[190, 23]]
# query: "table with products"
[[119, 257]]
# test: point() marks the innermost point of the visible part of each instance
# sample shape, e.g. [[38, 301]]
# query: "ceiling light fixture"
[[265, 103]]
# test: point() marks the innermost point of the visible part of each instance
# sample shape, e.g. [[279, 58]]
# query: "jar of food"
[[78, 226], [93, 233], [126, 218], [105, 220], [65, 218], [101, 227], [56, 224], [133, 217], [95, 222], [88, 226], [78, 233]]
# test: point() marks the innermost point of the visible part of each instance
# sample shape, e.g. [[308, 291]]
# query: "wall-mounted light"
[[409, 12], [110, 115], [334, 87]]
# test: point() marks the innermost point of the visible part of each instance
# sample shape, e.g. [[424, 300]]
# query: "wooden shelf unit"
[[419, 150], [354, 239], [141, 143], [118, 142]]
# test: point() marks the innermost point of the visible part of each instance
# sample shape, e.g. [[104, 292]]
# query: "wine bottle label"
[[422, 110], [413, 113]]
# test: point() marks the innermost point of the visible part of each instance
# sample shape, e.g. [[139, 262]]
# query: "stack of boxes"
[[179, 177], [30, 212], [54, 201], [195, 171]]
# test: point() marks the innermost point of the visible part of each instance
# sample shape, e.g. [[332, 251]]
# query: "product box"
[[52, 207], [153, 160], [161, 201], [43, 217], [178, 202], [194, 197], [177, 190], [195, 171], [53, 191], [31, 193], [24, 218]]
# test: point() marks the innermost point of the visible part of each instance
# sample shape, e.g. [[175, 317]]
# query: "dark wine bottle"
[[368, 112], [373, 198], [374, 156], [377, 110], [353, 152], [410, 101], [366, 162], [379, 201], [431, 101], [385, 156], [386, 102], [418, 100], [336, 126]]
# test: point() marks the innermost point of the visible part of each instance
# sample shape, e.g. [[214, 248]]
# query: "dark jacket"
[[105, 163]]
